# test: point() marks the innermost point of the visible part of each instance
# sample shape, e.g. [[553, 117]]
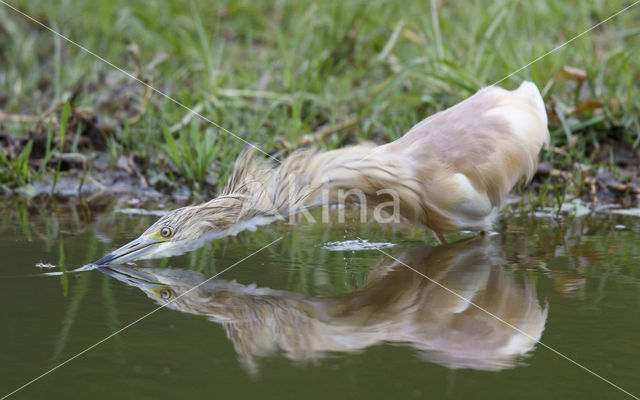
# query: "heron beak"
[[134, 250]]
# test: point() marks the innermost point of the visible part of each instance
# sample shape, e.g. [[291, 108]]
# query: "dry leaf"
[[588, 106], [568, 72]]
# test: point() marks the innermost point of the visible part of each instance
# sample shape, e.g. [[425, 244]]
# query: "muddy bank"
[[92, 182], [114, 184], [132, 179], [551, 193]]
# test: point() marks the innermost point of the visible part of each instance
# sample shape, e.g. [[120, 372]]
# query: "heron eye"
[[166, 232], [165, 294]]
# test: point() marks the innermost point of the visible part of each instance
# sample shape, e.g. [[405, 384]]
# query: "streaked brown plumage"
[[451, 171], [395, 305]]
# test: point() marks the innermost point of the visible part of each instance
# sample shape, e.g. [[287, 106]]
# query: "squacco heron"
[[451, 171]]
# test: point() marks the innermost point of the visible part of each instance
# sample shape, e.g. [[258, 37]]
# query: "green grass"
[[64, 118], [16, 170], [274, 72]]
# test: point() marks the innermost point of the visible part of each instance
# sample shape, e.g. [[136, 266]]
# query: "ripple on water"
[[353, 245]]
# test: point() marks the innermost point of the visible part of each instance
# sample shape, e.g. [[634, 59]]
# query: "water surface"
[[320, 314]]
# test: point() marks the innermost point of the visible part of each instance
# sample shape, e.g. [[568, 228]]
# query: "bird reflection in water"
[[395, 305]]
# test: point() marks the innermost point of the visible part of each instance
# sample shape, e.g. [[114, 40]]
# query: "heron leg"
[[440, 237]]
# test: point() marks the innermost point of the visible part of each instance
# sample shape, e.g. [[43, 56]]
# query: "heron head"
[[177, 232]]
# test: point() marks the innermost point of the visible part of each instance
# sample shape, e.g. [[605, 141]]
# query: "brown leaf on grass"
[[588, 106], [556, 173], [606, 181], [623, 188], [574, 73]]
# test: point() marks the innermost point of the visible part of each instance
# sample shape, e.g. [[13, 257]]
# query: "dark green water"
[[326, 324]]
